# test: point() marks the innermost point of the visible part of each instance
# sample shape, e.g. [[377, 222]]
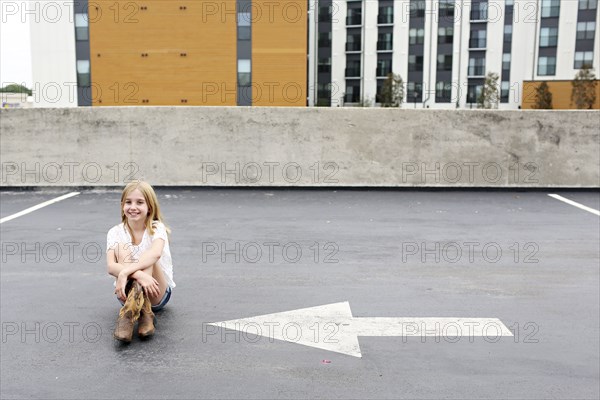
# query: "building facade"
[[443, 49], [308, 52]]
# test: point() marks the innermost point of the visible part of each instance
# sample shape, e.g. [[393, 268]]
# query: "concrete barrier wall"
[[235, 146]]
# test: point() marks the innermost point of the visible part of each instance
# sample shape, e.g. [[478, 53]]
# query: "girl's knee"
[[124, 253]]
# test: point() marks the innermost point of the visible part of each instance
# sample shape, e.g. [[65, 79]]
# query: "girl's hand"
[[149, 284], [120, 289]]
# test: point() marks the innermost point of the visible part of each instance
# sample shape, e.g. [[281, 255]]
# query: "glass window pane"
[[244, 66], [244, 19], [83, 66], [244, 33], [81, 20]]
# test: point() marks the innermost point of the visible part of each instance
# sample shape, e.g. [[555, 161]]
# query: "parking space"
[[524, 258]]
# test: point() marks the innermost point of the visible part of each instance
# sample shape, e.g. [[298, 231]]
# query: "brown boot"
[[146, 322], [129, 313]]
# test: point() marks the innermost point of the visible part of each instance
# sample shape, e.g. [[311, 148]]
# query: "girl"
[[138, 256]]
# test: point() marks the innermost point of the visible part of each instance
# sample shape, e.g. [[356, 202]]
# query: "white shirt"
[[120, 234]]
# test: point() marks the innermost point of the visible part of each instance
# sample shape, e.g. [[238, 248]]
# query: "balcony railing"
[[352, 98], [476, 71], [324, 68], [385, 45], [324, 43], [384, 71], [479, 15], [353, 72], [477, 43], [385, 19], [352, 46], [354, 20]]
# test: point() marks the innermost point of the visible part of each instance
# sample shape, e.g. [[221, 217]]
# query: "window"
[[550, 8], [384, 67], [243, 23], [478, 39], [324, 13], [584, 58], [324, 65], [548, 37], [586, 30], [244, 69], [588, 4], [479, 11], [353, 42], [443, 92], [324, 39], [415, 63], [546, 66], [510, 3], [508, 33], [447, 8], [81, 27], [384, 41], [243, 33], [414, 91], [324, 94], [352, 91], [83, 72], [386, 15], [506, 62], [417, 8], [476, 66], [473, 93], [354, 16], [504, 91], [244, 19], [416, 36], [445, 35], [444, 62], [353, 68]]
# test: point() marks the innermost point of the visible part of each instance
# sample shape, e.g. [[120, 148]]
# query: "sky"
[[15, 50]]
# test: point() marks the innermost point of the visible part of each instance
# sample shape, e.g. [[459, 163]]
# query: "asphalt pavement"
[[522, 257]]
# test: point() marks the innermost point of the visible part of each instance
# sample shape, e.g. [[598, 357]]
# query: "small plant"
[[490, 95], [584, 85], [392, 91], [543, 97]]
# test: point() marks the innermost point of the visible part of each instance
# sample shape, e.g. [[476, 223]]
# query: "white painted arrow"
[[332, 327]]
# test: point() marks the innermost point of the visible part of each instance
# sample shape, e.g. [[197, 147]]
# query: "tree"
[[543, 97], [392, 91], [489, 96], [584, 88], [15, 88]]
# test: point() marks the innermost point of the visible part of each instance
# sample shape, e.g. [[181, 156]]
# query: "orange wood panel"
[[561, 94], [205, 31], [279, 50]]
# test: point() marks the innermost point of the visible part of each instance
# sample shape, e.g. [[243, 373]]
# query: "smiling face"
[[135, 207]]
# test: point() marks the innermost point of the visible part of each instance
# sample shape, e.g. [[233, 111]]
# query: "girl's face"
[[135, 207]]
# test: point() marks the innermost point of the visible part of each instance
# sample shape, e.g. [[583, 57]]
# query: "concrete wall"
[[236, 146]]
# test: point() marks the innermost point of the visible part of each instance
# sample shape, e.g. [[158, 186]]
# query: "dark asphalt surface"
[[544, 285]]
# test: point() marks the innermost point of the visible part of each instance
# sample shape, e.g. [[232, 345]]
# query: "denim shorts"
[[162, 303]]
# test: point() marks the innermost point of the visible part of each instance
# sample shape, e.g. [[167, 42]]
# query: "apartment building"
[[309, 52], [443, 49]]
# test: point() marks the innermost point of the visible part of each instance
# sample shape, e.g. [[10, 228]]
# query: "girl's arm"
[[147, 259], [114, 268]]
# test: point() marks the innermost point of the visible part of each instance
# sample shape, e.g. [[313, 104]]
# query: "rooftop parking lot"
[[523, 257]]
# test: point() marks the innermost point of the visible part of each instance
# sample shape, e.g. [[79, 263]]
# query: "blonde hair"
[[154, 213]]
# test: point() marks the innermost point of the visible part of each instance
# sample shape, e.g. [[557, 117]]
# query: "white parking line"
[[571, 202], [41, 205]]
